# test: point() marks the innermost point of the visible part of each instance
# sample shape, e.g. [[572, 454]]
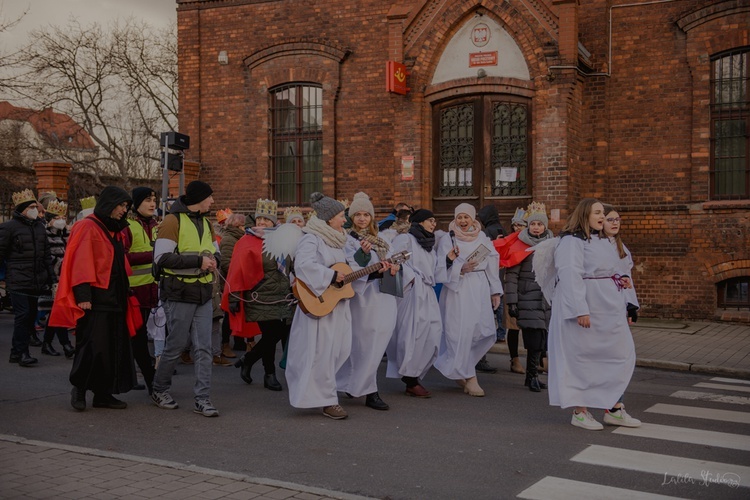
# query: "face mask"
[[58, 224], [32, 213]]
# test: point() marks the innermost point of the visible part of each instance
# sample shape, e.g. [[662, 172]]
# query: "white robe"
[[589, 367], [318, 347], [466, 308], [625, 268], [414, 345], [373, 322]]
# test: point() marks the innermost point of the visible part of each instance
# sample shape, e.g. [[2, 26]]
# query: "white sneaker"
[[584, 420], [620, 417]]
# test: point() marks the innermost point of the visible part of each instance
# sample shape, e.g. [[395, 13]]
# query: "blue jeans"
[[24, 309], [187, 323], [499, 318]]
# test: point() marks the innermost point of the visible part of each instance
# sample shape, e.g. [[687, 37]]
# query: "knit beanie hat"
[[361, 203], [325, 208], [46, 198], [537, 212], [421, 215], [518, 217], [466, 208], [196, 192], [139, 194]]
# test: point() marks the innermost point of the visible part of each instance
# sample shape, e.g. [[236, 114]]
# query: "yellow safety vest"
[[141, 272], [190, 244]]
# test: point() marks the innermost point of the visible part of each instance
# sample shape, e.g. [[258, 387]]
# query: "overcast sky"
[[45, 12]]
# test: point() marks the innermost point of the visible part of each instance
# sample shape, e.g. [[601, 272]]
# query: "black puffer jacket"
[[23, 245], [490, 219], [521, 289]]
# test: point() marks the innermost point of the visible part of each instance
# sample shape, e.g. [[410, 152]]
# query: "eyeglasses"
[[612, 220]]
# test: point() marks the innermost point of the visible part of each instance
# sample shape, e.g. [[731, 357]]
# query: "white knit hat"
[[466, 208], [361, 203]]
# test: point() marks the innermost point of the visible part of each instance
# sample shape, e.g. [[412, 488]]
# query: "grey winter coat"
[[521, 289]]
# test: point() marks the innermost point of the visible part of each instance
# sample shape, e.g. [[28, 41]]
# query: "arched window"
[[730, 125], [296, 142], [734, 293]]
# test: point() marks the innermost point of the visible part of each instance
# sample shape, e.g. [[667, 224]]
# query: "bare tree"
[[120, 85]]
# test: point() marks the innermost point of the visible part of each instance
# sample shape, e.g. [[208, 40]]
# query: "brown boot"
[[516, 367], [221, 361], [227, 352]]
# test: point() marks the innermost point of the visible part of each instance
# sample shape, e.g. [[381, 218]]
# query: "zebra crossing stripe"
[[671, 469], [697, 412], [551, 488], [730, 380], [685, 435], [709, 396], [722, 387]]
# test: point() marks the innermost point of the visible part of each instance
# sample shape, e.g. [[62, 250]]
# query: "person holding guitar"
[[471, 293], [373, 311], [319, 345], [414, 345]]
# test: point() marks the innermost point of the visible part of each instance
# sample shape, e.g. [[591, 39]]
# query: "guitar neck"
[[355, 275]]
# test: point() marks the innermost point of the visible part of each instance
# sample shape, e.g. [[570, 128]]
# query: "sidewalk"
[[35, 469], [701, 347]]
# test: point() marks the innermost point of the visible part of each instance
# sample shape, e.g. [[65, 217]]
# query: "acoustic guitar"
[[322, 305]]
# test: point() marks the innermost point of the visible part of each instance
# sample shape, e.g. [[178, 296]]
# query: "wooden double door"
[[482, 153]]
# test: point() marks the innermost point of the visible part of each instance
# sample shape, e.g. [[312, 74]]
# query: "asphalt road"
[[449, 446]]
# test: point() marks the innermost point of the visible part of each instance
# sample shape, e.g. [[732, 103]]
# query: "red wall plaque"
[[482, 59], [395, 78]]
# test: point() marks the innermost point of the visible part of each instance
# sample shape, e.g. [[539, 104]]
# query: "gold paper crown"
[[222, 215], [345, 202], [23, 197], [535, 208], [57, 207], [267, 209], [88, 202], [292, 212]]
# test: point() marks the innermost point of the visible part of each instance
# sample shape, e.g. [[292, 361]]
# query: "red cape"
[[512, 250], [245, 272], [88, 259]]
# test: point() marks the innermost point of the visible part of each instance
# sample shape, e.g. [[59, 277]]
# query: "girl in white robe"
[[612, 231], [471, 292], [373, 312], [318, 347], [591, 350], [414, 345]]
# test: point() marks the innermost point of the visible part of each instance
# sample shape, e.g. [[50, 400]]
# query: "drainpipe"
[[609, 55]]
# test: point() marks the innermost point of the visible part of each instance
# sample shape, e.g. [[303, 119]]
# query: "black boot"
[[48, 349], [271, 382], [373, 401], [484, 366], [69, 351], [108, 401], [245, 368], [34, 340], [26, 360], [78, 398], [535, 385]]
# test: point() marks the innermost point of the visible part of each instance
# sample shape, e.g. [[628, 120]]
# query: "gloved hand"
[[632, 312], [513, 311], [235, 307]]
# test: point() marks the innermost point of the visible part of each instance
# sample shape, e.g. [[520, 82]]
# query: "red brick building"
[[643, 104]]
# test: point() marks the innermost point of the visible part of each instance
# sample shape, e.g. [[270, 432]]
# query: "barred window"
[[730, 125], [733, 293], [296, 137]]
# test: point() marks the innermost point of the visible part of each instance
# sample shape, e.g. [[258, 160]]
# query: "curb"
[[661, 365], [322, 492]]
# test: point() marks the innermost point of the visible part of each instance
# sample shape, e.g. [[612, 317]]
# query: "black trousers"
[[511, 338], [535, 341], [141, 354], [24, 311], [271, 333]]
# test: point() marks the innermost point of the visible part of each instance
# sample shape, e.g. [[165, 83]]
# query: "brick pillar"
[[567, 11], [396, 17], [52, 175], [191, 169]]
